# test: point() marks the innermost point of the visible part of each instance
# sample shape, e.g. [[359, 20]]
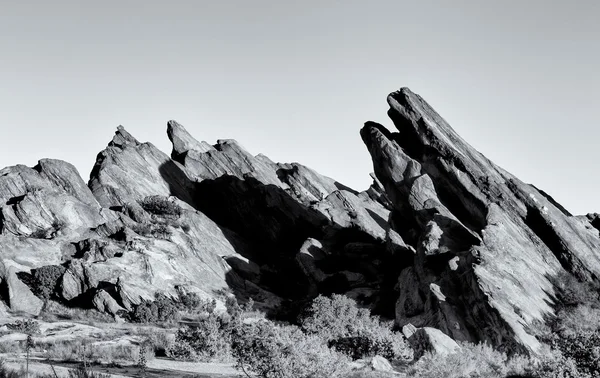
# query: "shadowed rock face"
[[443, 238]]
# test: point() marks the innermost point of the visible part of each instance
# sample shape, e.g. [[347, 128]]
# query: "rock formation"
[[444, 240]]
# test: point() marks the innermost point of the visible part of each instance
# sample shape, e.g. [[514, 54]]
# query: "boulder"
[[427, 339], [20, 298], [104, 302]]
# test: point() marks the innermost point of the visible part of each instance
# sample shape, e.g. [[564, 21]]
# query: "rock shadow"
[[261, 221]]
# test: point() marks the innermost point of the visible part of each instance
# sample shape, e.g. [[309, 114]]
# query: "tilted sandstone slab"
[[487, 244]]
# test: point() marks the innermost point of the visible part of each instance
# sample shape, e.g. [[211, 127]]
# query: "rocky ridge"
[[444, 240]]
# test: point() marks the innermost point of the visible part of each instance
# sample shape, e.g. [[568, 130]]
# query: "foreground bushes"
[[471, 361], [207, 341], [284, 352], [352, 330], [574, 334]]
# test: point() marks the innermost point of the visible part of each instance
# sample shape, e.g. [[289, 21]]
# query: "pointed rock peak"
[[183, 141], [122, 138], [372, 129], [405, 96]]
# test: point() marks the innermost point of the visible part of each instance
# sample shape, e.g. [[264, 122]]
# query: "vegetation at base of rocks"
[[54, 311], [161, 309], [353, 330], [193, 303], [154, 230], [46, 280], [208, 340], [84, 372], [27, 326], [471, 361], [274, 351], [574, 334], [5, 372], [164, 309], [161, 206], [265, 349]]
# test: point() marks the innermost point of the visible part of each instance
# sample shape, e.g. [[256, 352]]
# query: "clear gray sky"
[[295, 80]]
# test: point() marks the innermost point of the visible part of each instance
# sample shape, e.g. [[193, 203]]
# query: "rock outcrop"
[[443, 239], [486, 243], [428, 339]]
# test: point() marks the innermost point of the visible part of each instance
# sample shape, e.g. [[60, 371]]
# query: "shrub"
[[192, 302], [210, 339], [85, 372], [27, 326], [574, 334], [162, 309], [158, 231], [353, 330], [572, 292], [161, 206], [233, 307], [284, 352], [181, 351], [46, 279], [476, 361], [7, 373], [582, 350]]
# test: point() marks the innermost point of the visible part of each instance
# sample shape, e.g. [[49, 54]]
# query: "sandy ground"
[[157, 368], [102, 334]]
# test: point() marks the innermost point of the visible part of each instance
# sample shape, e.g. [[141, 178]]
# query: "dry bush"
[[27, 326], [284, 352], [162, 310], [11, 347], [161, 206], [208, 340], [471, 361], [348, 328]]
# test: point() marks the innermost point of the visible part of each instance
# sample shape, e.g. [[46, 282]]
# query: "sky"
[[518, 80]]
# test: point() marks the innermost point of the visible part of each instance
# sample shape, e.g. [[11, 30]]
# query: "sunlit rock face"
[[443, 238]]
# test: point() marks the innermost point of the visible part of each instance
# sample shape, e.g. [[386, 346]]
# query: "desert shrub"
[[233, 307], [572, 292], [582, 350], [11, 347], [355, 347], [155, 230], [574, 333], [554, 364], [161, 206], [160, 342], [284, 352], [7, 373], [348, 328], [46, 279], [249, 305], [192, 302], [27, 326], [85, 372], [473, 361], [181, 352], [162, 309], [210, 339]]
